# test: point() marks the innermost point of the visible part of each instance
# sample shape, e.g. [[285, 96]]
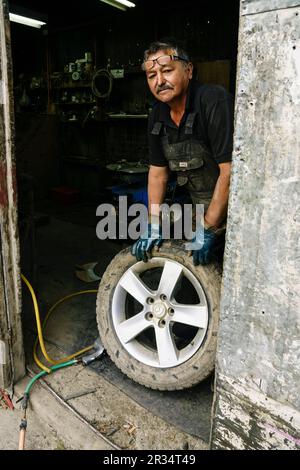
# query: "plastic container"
[[135, 194]]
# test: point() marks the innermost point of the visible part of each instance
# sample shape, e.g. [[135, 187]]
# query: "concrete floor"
[[38, 437], [127, 414]]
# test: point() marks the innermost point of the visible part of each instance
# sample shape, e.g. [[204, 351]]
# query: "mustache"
[[163, 87]]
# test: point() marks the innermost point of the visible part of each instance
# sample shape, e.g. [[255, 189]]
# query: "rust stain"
[[3, 186], [14, 184]]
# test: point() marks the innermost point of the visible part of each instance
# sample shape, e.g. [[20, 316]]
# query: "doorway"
[[64, 147]]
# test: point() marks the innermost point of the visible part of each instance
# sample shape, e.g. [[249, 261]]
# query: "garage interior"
[[81, 140]]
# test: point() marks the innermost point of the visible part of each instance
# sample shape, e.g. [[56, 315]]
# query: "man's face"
[[168, 82]]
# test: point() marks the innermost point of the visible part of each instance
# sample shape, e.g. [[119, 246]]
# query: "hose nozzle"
[[98, 351]]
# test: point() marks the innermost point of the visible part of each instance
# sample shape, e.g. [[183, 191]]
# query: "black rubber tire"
[[195, 369]]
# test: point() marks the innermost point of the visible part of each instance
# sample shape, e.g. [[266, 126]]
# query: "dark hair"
[[166, 44]]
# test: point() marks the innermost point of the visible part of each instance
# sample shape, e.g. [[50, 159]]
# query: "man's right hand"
[[143, 246]]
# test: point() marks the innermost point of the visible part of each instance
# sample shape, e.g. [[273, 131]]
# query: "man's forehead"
[[161, 52]]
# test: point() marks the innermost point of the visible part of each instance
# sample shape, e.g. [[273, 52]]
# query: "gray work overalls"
[[195, 166]]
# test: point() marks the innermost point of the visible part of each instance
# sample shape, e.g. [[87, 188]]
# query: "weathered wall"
[[257, 403], [11, 340]]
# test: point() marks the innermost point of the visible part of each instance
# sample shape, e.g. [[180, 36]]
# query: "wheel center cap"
[[159, 310]]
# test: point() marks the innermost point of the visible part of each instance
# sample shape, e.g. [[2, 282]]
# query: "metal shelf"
[[81, 160], [128, 116], [74, 103], [72, 85]]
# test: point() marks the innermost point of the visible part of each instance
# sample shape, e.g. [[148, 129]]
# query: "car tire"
[[193, 358]]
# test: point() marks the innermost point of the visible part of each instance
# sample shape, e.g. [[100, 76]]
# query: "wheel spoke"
[[192, 315], [167, 351], [169, 278], [135, 287], [129, 329]]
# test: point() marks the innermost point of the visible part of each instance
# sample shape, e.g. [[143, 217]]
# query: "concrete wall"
[[257, 402]]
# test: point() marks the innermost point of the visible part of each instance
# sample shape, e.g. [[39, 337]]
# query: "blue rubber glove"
[[143, 246], [206, 238]]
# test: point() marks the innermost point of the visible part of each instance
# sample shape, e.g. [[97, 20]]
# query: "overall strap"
[[157, 128], [189, 123]]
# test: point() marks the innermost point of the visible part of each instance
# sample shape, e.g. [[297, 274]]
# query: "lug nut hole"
[[163, 297]]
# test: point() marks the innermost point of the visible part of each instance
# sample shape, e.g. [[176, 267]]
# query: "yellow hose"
[[40, 328]]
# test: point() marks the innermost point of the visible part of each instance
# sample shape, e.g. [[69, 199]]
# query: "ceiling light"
[[120, 4], [126, 3], [114, 4], [24, 20]]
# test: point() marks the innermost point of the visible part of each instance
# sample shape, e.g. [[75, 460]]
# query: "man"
[[190, 132]]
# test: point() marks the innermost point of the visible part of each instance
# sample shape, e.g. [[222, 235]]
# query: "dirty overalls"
[[191, 159]]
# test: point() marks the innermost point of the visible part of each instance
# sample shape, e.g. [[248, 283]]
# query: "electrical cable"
[[58, 364], [43, 372], [37, 341], [25, 399], [40, 328]]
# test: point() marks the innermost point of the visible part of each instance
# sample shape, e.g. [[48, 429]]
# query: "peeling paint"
[[3, 189], [244, 419]]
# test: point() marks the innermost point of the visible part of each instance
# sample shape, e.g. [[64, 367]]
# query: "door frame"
[[12, 359]]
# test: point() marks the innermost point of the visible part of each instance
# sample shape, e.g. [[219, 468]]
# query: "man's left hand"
[[208, 238]]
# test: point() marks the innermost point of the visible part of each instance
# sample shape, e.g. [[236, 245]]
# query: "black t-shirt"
[[213, 124]]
